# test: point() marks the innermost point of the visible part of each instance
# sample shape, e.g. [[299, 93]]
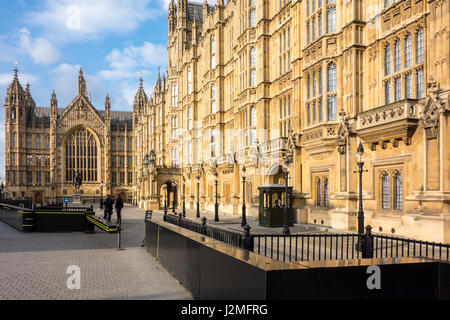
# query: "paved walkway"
[[34, 265], [234, 222]]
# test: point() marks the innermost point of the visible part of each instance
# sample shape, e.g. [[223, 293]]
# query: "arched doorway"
[[38, 198], [275, 175], [169, 194]]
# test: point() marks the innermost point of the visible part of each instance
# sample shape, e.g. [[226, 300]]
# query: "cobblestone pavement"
[[34, 265]]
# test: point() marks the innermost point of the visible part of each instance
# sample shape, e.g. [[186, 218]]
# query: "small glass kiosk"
[[271, 205]]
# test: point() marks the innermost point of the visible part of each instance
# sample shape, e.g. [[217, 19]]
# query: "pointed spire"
[[81, 84], [15, 91], [53, 105], [158, 82], [140, 99], [107, 107], [15, 71]]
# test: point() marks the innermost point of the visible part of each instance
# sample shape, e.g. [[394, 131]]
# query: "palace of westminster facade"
[[250, 83]]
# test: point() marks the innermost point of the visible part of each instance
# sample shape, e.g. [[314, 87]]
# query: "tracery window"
[[81, 155]]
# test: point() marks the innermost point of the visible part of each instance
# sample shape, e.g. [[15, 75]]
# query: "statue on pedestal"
[[77, 180]]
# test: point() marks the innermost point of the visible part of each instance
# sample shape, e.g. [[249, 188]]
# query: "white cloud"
[[40, 50], [132, 60], [6, 78], [66, 20]]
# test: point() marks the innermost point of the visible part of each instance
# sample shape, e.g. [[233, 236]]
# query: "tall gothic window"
[[318, 193], [408, 51], [385, 192], [387, 92], [331, 23], [331, 77], [408, 86], [387, 60], [325, 192], [189, 80], [213, 99], [81, 155], [397, 55], [213, 52], [397, 89], [398, 191], [252, 126], [253, 66], [189, 117], [419, 46], [420, 83]]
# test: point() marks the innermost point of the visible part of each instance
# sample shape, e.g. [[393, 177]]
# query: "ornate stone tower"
[[18, 103]]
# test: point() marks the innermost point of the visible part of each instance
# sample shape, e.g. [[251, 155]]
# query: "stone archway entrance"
[[169, 194], [38, 198]]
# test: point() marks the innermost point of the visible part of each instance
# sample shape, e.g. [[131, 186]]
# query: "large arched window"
[[81, 155], [325, 192]]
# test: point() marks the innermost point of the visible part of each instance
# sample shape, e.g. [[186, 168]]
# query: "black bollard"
[[247, 239]]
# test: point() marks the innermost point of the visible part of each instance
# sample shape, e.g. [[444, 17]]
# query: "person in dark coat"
[[108, 204], [119, 206]]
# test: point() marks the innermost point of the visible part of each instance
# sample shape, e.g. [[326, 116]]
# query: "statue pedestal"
[[76, 199]]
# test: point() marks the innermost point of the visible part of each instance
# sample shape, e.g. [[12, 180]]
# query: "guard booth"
[[269, 214]]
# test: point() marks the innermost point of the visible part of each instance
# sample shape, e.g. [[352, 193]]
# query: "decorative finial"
[[15, 69]]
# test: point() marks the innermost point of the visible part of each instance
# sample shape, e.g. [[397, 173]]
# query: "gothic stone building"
[[250, 82], [46, 146]]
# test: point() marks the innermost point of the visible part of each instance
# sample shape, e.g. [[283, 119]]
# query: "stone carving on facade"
[[434, 108], [343, 133]]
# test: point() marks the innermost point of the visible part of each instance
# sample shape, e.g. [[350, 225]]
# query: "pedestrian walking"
[[108, 205], [119, 206]]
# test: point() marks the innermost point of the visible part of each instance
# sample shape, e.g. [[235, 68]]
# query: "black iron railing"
[[228, 236], [316, 247], [307, 247], [389, 246], [319, 246]]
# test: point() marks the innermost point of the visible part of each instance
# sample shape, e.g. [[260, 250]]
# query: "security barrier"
[[69, 219]]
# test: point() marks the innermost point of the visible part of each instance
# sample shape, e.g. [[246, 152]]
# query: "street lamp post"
[[244, 219], [216, 208], [165, 201], [286, 201], [173, 195], [198, 197], [184, 198], [101, 195], [360, 161]]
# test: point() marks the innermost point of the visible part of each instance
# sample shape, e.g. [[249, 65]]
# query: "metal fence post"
[[203, 227], [367, 245], [247, 239], [179, 220]]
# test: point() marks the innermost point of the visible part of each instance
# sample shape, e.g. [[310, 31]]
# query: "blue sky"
[[114, 41]]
